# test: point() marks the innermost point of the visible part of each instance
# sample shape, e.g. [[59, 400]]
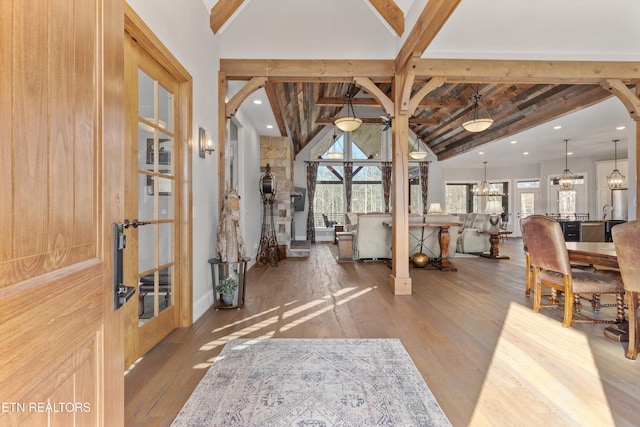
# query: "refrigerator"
[[620, 203]]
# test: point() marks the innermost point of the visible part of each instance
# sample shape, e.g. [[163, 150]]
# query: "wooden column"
[[400, 281], [637, 171]]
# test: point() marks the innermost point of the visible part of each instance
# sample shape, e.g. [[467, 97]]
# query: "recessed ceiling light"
[[257, 101], [269, 126], [480, 153], [570, 153], [526, 153], [514, 142], [557, 127], [621, 127]]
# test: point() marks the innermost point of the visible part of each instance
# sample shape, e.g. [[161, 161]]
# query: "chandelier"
[[350, 122], [335, 152], [615, 179], [476, 123], [566, 179], [415, 152], [484, 189]]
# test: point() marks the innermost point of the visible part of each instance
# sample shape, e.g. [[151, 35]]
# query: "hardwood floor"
[[487, 358]]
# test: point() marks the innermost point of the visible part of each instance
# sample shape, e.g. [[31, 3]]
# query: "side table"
[[337, 228], [494, 239], [345, 246]]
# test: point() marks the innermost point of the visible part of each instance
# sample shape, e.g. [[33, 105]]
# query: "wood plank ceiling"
[[303, 106]]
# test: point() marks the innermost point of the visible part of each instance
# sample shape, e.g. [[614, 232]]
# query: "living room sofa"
[[471, 238], [372, 239]]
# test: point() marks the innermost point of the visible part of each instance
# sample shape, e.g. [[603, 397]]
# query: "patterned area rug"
[[312, 383]]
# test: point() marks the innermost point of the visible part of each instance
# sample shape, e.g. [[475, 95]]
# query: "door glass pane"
[[145, 146], [165, 241], [165, 294], [527, 204], [165, 109], [146, 199], [146, 248], [165, 200], [165, 154], [145, 96]]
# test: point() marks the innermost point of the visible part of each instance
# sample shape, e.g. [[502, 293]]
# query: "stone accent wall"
[[278, 153]]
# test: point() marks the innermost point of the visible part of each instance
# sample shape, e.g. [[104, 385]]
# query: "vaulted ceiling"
[[305, 97]]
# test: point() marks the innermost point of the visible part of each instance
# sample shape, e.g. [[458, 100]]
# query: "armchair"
[[472, 239]]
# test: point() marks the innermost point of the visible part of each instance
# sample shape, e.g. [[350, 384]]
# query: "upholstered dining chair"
[[550, 262], [626, 238]]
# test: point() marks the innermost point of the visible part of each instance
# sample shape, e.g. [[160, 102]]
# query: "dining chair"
[[551, 267], [625, 239], [527, 260]]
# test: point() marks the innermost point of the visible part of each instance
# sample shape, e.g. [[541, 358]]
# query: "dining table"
[[600, 254]]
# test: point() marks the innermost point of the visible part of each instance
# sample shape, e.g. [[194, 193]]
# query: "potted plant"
[[227, 288]]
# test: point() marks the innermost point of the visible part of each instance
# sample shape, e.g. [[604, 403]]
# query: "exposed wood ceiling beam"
[[221, 12], [519, 71], [307, 70], [373, 90], [370, 102], [626, 95], [429, 87], [453, 70], [269, 88], [365, 120], [234, 103], [391, 13], [431, 20]]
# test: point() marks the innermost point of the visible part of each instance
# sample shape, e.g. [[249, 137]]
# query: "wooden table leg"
[[443, 237]]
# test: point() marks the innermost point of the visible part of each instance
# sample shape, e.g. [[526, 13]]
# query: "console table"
[[443, 264]]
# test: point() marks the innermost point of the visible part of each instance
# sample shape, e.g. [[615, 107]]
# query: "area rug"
[[312, 383]]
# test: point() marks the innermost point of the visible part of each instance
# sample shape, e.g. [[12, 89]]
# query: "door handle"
[[121, 292], [135, 223]]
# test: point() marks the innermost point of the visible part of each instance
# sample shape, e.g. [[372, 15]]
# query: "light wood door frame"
[[138, 31], [61, 137]]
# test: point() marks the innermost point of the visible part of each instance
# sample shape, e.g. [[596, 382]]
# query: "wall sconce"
[[204, 145]]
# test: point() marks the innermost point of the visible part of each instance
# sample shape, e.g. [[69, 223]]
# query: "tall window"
[[415, 189], [366, 189], [459, 198], [329, 195]]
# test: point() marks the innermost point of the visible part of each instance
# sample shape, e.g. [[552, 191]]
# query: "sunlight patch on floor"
[[547, 372]]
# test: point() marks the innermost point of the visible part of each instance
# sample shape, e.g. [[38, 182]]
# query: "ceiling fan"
[[386, 121]]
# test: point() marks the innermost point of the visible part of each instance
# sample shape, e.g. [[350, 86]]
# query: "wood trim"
[[391, 13], [148, 41], [276, 108], [524, 71], [221, 12], [429, 87], [624, 94], [453, 70], [374, 91], [433, 17], [292, 70], [222, 133], [235, 102]]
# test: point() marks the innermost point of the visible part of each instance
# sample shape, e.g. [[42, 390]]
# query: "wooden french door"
[[151, 165], [61, 139]]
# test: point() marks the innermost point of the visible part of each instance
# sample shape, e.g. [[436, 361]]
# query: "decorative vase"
[[227, 299], [420, 260]]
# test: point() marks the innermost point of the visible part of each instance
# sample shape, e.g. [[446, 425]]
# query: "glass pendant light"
[[615, 179], [566, 179]]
